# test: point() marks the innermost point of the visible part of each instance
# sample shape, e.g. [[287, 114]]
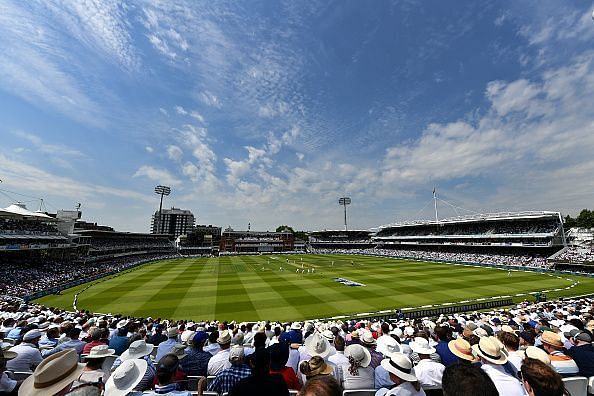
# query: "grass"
[[249, 288]]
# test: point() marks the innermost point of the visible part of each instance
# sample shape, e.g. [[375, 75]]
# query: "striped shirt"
[[227, 378]]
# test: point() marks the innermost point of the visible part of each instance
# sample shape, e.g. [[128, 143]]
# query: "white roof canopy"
[[21, 210]]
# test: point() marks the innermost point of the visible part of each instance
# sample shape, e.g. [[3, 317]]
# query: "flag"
[[433, 190]]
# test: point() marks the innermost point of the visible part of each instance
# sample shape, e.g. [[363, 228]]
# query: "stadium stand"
[[337, 239], [255, 242]]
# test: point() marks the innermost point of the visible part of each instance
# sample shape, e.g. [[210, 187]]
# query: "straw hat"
[[367, 338], [137, 350], [100, 352], [53, 374], [550, 338], [399, 365], [328, 335], [421, 346], [224, 337], [387, 346], [316, 345], [359, 354], [489, 350], [125, 377], [537, 353], [315, 366], [461, 348]]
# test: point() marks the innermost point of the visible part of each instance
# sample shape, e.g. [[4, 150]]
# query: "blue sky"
[[268, 111]]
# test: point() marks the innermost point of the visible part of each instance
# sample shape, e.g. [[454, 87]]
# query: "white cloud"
[[194, 114], [158, 175], [209, 99], [300, 156], [149, 149], [180, 110], [174, 153], [57, 150], [163, 111]]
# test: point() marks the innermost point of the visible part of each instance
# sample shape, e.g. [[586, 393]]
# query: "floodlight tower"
[[162, 190], [344, 201]]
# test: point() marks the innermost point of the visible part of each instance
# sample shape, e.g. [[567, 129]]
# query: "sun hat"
[[236, 353], [550, 338], [507, 329], [397, 331], [315, 366], [489, 350], [43, 326], [583, 336], [53, 374], [421, 346], [5, 353], [137, 350], [295, 326], [99, 352], [186, 336], [359, 353], [328, 335], [399, 365], [533, 352], [462, 349], [316, 345], [367, 338], [179, 351], [224, 337], [172, 332], [31, 335], [125, 377], [387, 346]]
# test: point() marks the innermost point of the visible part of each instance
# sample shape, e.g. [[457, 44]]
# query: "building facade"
[[256, 242], [172, 221]]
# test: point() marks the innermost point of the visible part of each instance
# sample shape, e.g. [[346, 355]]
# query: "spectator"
[[72, 343], [158, 337], [97, 336], [139, 350], [53, 376], [120, 341], [582, 353], [428, 372], [166, 346], [237, 371], [314, 367], [28, 355], [401, 373], [126, 377], [50, 339], [93, 371], [261, 381], [512, 344], [493, 360], [166, 371], [463, 351], [7, 385], [467, 380], [338, 359], [322, 385], [562, 363], [279, 355], [540, 379], [370, 343], [196, 360], [444, 335], [221, 360]]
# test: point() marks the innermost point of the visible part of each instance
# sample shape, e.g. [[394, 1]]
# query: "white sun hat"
[[387, 346], [317, 345], [421, 346], [359, 354], [125, 377], [400, 365]]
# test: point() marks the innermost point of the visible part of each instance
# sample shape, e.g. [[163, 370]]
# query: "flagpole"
[[435, 205]]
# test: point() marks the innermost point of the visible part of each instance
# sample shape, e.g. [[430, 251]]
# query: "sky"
[[266, 112]]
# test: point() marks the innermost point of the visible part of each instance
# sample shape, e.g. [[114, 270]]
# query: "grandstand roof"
[[21, 210], [477, 218]]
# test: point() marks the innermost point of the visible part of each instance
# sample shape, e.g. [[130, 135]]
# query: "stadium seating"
[[576, 386]]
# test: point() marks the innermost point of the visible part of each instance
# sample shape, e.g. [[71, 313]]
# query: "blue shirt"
[[195, 362], [227, 378], [14, 334], [447, 357], [583, 356], [164, 348], [119, 343]]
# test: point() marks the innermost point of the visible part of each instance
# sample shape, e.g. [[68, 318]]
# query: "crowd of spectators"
[[531, 261], [26, 227], [525, 350], [107, 244], [575, 254], [482, 228], [27, 276]]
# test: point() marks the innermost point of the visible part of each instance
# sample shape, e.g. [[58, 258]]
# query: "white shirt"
[[404, 389], [515, 359], [29, 357], [382, 378], [218, 362], [365, 379], [213, 349], [6, 384], [429, 373], [338, 359], [505, 383]]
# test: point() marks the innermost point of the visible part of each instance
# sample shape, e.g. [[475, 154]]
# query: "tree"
[[585, 219], [285, 228]]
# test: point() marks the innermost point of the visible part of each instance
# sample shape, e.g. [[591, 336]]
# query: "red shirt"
[[289, 376], [89, 345]]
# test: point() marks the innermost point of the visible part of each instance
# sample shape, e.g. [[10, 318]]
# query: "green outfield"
[[249, 288]]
